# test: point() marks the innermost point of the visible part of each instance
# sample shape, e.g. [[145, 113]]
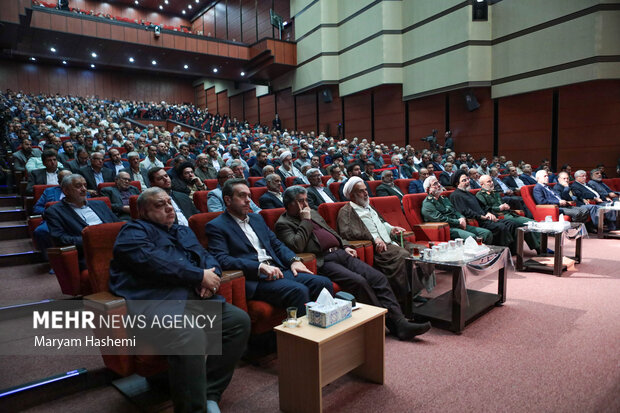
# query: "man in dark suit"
[[96, 174], [526, 176], [119, 195], [68, 152], [513, 180], [317, 193], [368, 174], [417, 185], [597, 184], [445, 178], [20, 158], [115, 164], [68, 218], [261, 162], [241, 240], [134, 171], [584, 195], [183, 205], [44, 176], [273, 197], [387, 187], [304, 230], [82, 159], [141, 270], [543, 195]]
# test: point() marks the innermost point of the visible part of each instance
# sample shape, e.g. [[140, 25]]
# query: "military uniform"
[[491, 201], [442, 210]]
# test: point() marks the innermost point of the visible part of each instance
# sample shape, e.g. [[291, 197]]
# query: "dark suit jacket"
[[445, 179], [89, 176], [141, 267], [475, 185], [64, 158], [270, 201], [142, 172], [49, 195], [580, 192], [315, 199], [74, 166], [116, 200], [510, 182], [110, 165], [528, 180], [416, 187], [37, 177], [385, 190], [542, 196], [184, 203], [232, 249], [299, 237], [256, 170], [600, 187]]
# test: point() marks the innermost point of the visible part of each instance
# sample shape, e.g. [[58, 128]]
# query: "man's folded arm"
[[295, 238]]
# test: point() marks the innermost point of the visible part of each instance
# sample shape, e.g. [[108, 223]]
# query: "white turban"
[[348, 187], [428, 182], [284, 154]]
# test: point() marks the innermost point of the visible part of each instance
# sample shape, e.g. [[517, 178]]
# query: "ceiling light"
[[215, 70], [33, 59], [161, 7], [52, 49], [189, 6], [284, 24], [186, 67], [92, 65], [131, 60], [64, 62], [183, 12], [166, 1], [242, 73], [93, 54], [136, 2], [154, 62], [197, 1]]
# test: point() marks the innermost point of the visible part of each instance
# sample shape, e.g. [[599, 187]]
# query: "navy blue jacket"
[[270, 201], [544, 196], [233, 250], [600, 187], [152, 262], [527, 180], [580, 192], [111, 166], [416, 187], [49, 195], [89, 176]]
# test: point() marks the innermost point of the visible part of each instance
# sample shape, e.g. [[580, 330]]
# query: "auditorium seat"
[[390, 209], [403, 185], [107, 184], [539, 212], [289, 181], [334, 188], [325, 178], [211, 183], [253, 179], [373, 187], [424, 231], [256, 193], [200, 200], [271, 216]]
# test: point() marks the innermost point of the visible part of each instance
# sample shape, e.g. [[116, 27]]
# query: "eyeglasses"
[[124, 179]]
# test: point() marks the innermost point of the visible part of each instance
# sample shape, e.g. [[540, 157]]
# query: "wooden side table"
[[311, 357]]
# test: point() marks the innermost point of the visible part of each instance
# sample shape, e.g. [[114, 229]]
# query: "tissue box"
[[325, 316]]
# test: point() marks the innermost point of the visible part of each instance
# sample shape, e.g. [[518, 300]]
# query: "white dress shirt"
[[181, 220], [321, 191], [253, 238], [51, 178], [87, 214]]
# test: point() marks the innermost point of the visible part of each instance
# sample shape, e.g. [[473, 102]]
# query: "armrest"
[[364, 249], [28, 204], [103, 301], [359, 243], [228, 276], [432, 231], [232, 288], [64, 262]]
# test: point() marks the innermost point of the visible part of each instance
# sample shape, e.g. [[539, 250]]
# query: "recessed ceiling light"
[[197, 1], [189, 6], [93, 54], [64, 62], [52, 49], [92, 65], [242, 73], [161, 7], [136, 2], [215, 70], [186, 67], [131, 60], [166, 1], [33, 59], [183, 12], [154, 62]]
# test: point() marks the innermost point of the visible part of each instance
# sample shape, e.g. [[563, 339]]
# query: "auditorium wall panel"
[[264, 20], [357, 116], [220, 20], [211, 100], [222, 103], [236, 107], [524, 128], [330, 114], [472, 131], [306, 112], [200, 96], [286, 108], [389, 115], [251, 106], [248, 21], [588, 125], [267, 112], [426, 114], [234, 20]]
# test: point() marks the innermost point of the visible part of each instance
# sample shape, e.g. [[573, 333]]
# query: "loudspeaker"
[[327, 95], [470, 101], [157, 31], [480, 10]]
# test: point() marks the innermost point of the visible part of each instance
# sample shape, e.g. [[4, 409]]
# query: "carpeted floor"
[[553, 346]]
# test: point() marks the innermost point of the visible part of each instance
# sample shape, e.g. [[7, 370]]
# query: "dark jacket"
[[37, 177], [385, 190], [416, 187], [270, 201], [142, 172], [89, 176], [184, 203], [315, 199], [111, 166], [116, 199]]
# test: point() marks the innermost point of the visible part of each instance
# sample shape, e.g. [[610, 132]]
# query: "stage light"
[[92, 65], [131, 60], [154, 62], [215, 70], [53, 50], [64, 62], [186, 67], [93, 54], [33, 59], [242, 73]]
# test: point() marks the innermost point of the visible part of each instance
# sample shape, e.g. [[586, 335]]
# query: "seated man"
[[357, 220], [96, 174], [445, 178], [185, 180], [215, 201], [336, 175], [513, 180], [21, 157], [492, 202], [417, 185], [368, 174], [438, 208], [267, 170], [304, 230], [526, 176], [182, 204], [467, 204], [543, 195], [473, 178], [44, 176], [273, 197], [583, 194], [240, 240], [387, 187], [119, 195], [82, 159], [317, 193], [261, 162], [116, 163], [596, 183], [287, 169], [68, 218], [141, 270], [134, 171], [510, 196], [353, 169]]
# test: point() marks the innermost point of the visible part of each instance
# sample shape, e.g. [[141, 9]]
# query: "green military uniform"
[[442, 210], [491, 201]]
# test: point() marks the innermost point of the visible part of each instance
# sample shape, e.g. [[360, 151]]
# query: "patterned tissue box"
[[326, 316]]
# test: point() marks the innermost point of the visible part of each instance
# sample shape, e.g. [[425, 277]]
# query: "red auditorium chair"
[[257, 192], [133, 207], [539, 211], [334, 188], [200, 200], [211, 183], [98, 250], [391, 210], [289, 181], [373, 186], [271, 216], [403, 185], [253, 179], [424, 231], [325, 178]]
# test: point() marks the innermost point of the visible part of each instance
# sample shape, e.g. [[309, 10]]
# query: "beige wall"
[[525, 45]]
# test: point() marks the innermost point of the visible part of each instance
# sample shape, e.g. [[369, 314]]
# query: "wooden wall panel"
[[220, 20], [282, 7], [209, 22], [472, 131], [588, 125], [357, 116], [248, 21], [236, 107], [211, 100], [286, 108], [250, 106], [222, 103], [234, 20], [41, 20], [330, 114], [306, 112], [524, 126], [426, 114], [264, 21], [267, 109], [9, 11], [389, 111]]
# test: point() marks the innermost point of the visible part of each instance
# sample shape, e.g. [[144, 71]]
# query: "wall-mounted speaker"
[[470, 101], [327, 95]]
